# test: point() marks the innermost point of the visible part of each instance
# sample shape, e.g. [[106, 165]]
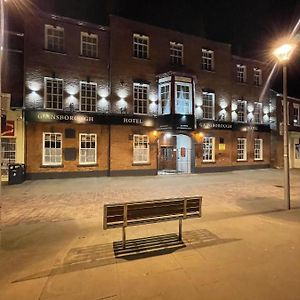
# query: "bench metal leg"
[[124, 237], [180, 229]]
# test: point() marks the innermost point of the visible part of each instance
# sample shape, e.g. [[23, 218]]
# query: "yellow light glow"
[[284, 52]]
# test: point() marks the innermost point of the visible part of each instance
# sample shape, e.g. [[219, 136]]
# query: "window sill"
[[55, 52], [141, 164], [52, 166], [209, 71], [242, 160], [242, 83], [208, 161], [87, 165], [142, 59], [89, 57], [258, 160]]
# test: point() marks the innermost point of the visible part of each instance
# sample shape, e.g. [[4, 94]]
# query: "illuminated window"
[[140, 98], [208, 105], [241, 73], [88, 96], [8, 154], [53, 93], [183, 98], [52, 149], [258, 149], [241, 110], [164, 99], [140, 149], [89, 44], [296, 114], [257, 112], [207, 60], [257, 76], [241, 149], [54, 38], [88, 148], [140, 46], [208, 149], [176, 53]]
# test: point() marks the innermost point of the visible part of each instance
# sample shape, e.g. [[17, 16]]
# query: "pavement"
[[246, 245]]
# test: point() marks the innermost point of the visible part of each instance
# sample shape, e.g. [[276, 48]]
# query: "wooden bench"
[[136, 213]]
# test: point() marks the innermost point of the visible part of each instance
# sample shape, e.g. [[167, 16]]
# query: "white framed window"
[[257, 73], [53, 90], [208, 106], [183, 103], [241, 110], [52, 149], [88, 148], [140, 149], [140, 46], [88, 96], [208, 149], [54, 38], [208, 60], [164, 99], [89, 44], [241, 73], [258, 149], [296, 114], [241, 149], [176, 53], [8, 154], [140, 98], [257, 112]]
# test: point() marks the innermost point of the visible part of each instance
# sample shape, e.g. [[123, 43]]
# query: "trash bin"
[[16, 173]]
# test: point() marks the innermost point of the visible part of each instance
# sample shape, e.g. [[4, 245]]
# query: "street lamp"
[[283, 54]]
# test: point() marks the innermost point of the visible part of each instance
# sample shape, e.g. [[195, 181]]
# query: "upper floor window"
[[241, 73], [140, 149], [164, 99], [241, 110], [54, 38], [88, 96], [257, 112], [140, 98], [52, 148], [207, 60], [183, 101], [53, 93], [296, 114], [176, 53], [89, 44], [208, 105], [140, 46], [257, 76]]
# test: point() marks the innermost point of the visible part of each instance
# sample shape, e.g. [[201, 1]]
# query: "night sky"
[[250, 26]]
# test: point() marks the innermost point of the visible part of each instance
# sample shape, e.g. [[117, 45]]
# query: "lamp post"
[[283, 54]]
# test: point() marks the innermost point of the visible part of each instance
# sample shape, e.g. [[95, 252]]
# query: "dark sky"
[[250, 26]]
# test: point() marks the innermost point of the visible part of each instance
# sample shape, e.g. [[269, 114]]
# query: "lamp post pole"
[[286, 141]]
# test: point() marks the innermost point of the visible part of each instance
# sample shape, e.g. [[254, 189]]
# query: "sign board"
[[176, 122], [222, 147], [9, 128]]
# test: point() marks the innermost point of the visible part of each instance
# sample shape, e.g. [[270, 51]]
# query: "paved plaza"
[[246, 245]]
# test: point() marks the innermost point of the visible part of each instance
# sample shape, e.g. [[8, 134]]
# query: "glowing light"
[[284, 52], [103, 92], [168, 135], [223, 103], [122, 93], [34, 86], [154, 133], [72, 89], [250, 107]]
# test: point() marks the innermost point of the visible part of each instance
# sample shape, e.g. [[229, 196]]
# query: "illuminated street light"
[[283, 54]]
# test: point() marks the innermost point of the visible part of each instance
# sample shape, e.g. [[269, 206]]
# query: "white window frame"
[[53, 95], [208, 60], [176, 53], [258, 149], [83, 158], [47, 36], [244, 111], [244, 149], [257, 113], [140, 46], [296, 106], [138, 89], [257, 76], [187, 101], [141, 148], [90, 36], [8, 153], [166, 102], [208, 149], [59, 163], [87, 98], [207, 107], [241, 73]]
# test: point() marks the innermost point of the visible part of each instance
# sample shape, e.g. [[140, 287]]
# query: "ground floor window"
[[8, 154], [52, 149], [140, 149], [241, 149], [258, 149], [88, 148], [208, 149]]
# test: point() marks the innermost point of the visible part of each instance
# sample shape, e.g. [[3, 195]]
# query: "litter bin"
[[16, 173]]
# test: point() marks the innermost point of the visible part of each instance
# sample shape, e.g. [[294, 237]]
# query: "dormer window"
[[241, 73], [89, 45], [54, 38], [176, 53], [257, 73], [140, 46]]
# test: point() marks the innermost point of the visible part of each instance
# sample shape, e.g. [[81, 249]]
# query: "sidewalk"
[[244, 247]]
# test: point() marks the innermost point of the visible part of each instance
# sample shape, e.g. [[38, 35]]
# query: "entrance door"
[[184, 149], [167, 158], [296, 151]]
